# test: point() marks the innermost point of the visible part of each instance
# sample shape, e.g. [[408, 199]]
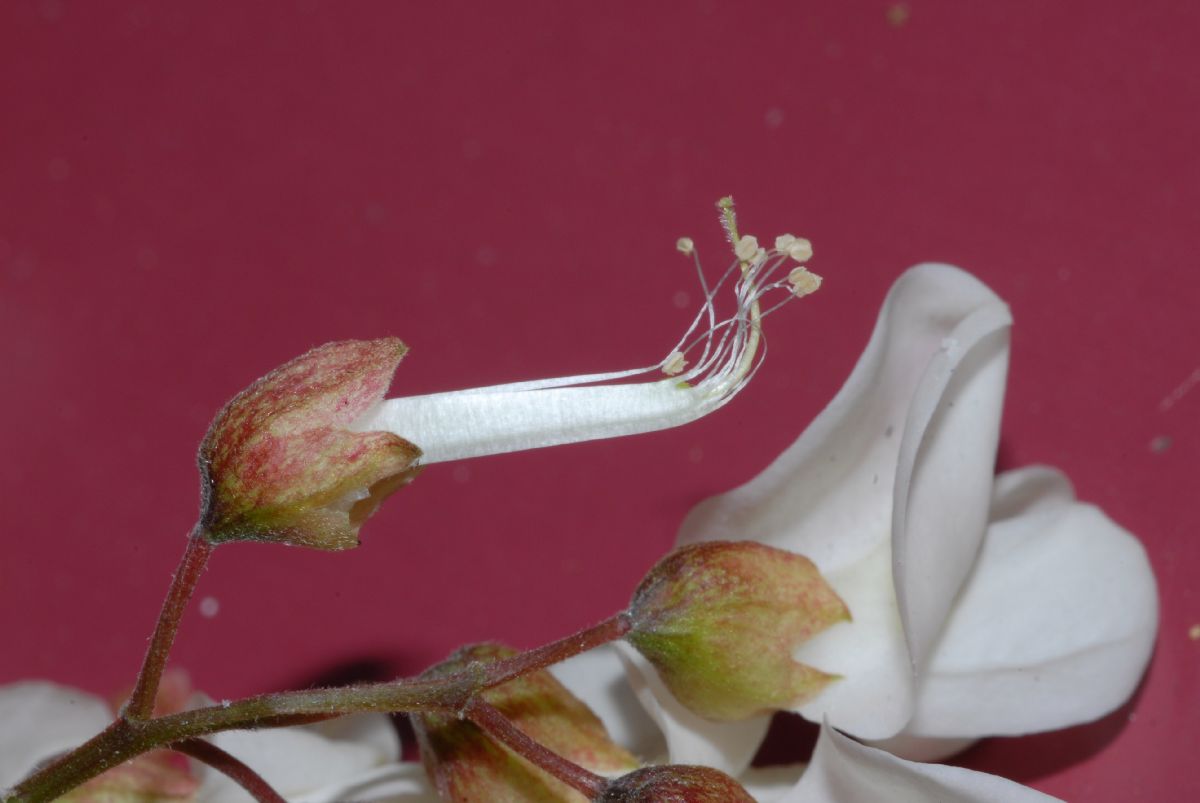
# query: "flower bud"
[[464, 763], [720, 621], [282, 462], [676, 784]]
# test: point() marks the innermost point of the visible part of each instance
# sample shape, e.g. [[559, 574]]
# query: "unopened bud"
[[720, 622], [281, 461], [676, 784], [464, 763]]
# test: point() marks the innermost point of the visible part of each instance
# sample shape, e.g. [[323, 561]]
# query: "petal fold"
[[1079, 612], [844, 771]]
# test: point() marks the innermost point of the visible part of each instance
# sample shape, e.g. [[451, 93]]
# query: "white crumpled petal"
[[39, 719], [597, 677], [887, 491], [844, 771], [313, 763], [1054, 627]]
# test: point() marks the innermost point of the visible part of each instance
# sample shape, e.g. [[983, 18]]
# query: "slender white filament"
[[547, 412]]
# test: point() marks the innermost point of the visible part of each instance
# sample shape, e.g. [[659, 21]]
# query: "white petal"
[[40, 719], [300, 760], [727, 746], [874, 693], [770, 784], [922, 748], [404, 782], [946, 469], [373, 731], [1054, 628], [904, 451], [597, 677], [844, 771]]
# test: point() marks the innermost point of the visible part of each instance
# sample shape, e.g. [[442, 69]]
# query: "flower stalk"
[[502, 729], [195, 558], [127, 738]]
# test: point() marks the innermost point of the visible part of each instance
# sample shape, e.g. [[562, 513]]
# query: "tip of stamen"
[[674, 363], [804, 282], [684, 245]]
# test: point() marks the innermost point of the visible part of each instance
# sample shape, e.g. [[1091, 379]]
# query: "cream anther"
[[804, 282], [674, 363], [746, 248], [684, 245]]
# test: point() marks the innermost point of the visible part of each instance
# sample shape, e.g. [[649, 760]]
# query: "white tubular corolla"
[[712, 361]]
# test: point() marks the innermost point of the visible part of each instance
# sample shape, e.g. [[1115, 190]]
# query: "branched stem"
[[127, 738]]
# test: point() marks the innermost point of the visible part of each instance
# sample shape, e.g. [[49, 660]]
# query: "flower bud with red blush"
[[720, 621], [283, 461]]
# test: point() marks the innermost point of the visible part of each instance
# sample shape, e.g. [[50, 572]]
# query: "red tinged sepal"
[[720, 621], [675, 783], [465, 764], [283, 462]]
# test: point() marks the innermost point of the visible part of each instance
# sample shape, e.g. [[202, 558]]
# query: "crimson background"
[[191, 194]]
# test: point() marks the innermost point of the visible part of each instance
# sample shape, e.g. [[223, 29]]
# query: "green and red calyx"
[[282, 461], [720, 621]]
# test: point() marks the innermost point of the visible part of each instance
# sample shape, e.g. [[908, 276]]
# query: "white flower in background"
[[981, 605], [352, 758]]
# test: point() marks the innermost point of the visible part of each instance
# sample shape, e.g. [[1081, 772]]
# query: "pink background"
[[191, 195]]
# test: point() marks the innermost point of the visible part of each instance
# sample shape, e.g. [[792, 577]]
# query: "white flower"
[[981, 605]]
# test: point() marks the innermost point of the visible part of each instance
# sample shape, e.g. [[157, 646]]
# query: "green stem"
[[127, 738], [141, 701]]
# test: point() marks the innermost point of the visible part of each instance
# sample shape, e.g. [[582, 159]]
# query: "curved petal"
[[1080, 612], [770, 784], [844, 771], [922, 748], [727, 746], [597, 677], [41, 719], [896, 469], [303, 760]]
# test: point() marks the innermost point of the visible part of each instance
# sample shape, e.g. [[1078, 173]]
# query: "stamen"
[[674, 363], [746, 248], [713, 360], [803, 282]]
